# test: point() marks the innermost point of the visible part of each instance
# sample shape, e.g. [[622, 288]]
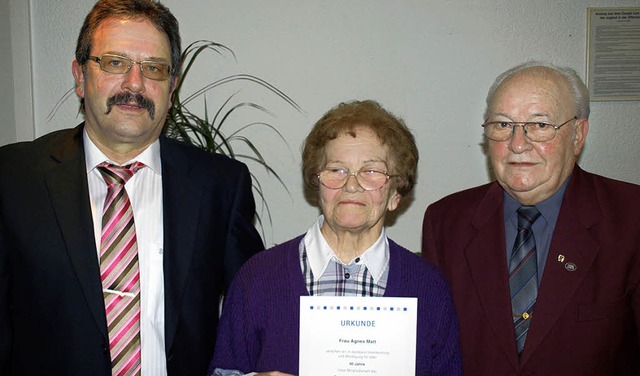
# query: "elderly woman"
[[360, 161]]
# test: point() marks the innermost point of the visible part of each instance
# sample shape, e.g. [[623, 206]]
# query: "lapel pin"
[[570, 267], [560, 258]]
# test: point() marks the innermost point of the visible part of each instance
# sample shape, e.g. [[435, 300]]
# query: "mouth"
[[130, 105], [521, 164], [350, 202]]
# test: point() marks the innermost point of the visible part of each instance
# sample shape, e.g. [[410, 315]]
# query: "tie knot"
[[114, 174], [527, 215]]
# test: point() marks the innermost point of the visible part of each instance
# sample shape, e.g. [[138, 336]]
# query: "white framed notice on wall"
[[613, 53]]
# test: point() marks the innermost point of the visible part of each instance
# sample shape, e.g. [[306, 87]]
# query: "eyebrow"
[[150, 58], [364, 163], [536, 115]]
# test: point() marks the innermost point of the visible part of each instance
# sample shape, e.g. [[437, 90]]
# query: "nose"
[[519, 143], [134, 80], [352, 184]]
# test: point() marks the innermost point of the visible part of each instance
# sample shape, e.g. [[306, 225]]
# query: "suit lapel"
[[181, 201], [486, 260], [563, 275], [69, 193]]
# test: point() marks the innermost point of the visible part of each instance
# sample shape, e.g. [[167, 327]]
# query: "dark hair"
[[345, 118], [152, 10]]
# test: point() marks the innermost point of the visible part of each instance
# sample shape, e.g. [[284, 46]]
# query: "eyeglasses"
[[536, 131], [369, 179], [121, 65]]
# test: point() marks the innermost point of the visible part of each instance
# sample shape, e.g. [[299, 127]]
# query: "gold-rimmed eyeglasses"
[[537, 131], [369, 179], [120, 65]]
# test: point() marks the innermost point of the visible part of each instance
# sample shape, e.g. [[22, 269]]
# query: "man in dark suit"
[[554, 290], [184, 219]]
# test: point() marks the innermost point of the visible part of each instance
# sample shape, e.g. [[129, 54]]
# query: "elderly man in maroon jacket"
[[544, 262]]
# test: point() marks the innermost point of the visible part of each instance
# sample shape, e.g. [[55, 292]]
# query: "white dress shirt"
[[375, 258], [145, 193]]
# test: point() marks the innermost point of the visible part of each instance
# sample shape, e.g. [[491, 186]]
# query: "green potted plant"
[[208, 130]]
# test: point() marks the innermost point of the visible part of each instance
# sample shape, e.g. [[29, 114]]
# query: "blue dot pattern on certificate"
[[358, 308]]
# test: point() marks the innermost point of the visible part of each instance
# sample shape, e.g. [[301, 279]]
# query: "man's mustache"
[[126, 98]]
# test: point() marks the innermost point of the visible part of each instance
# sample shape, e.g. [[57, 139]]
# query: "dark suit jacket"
[[52, 318], [585, 321]]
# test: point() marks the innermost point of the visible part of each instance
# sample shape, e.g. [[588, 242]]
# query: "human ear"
[[78, 76], [394, 200], [581, 128]]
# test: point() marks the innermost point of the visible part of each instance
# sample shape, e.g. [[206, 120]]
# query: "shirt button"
[[347, 275], [357, 259]]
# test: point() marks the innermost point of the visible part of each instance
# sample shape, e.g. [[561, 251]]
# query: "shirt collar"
[[319, 253], [549, 208], [94, 156]]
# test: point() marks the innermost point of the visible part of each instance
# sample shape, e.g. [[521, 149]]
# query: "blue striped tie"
[[523, 274]]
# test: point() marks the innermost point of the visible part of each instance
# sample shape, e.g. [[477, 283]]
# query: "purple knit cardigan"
[[258, 330]]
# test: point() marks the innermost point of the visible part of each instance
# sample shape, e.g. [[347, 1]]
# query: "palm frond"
[[208, 130], [60, 102]]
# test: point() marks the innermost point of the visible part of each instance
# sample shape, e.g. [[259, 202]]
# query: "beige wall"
[[429, 61]]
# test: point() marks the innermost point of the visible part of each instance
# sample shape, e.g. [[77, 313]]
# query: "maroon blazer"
[[586, 318]]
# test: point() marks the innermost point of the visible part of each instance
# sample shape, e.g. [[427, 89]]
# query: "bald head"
[[566, 77]]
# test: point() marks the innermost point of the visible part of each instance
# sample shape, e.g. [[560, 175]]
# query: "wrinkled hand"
[[274, 373]]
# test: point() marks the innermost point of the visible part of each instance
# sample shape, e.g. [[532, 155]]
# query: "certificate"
[[357, 336]]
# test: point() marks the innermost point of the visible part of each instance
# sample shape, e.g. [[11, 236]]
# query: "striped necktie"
[[523, 274], [119, 270]]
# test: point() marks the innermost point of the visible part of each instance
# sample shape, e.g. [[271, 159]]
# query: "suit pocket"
[[604, 310]]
